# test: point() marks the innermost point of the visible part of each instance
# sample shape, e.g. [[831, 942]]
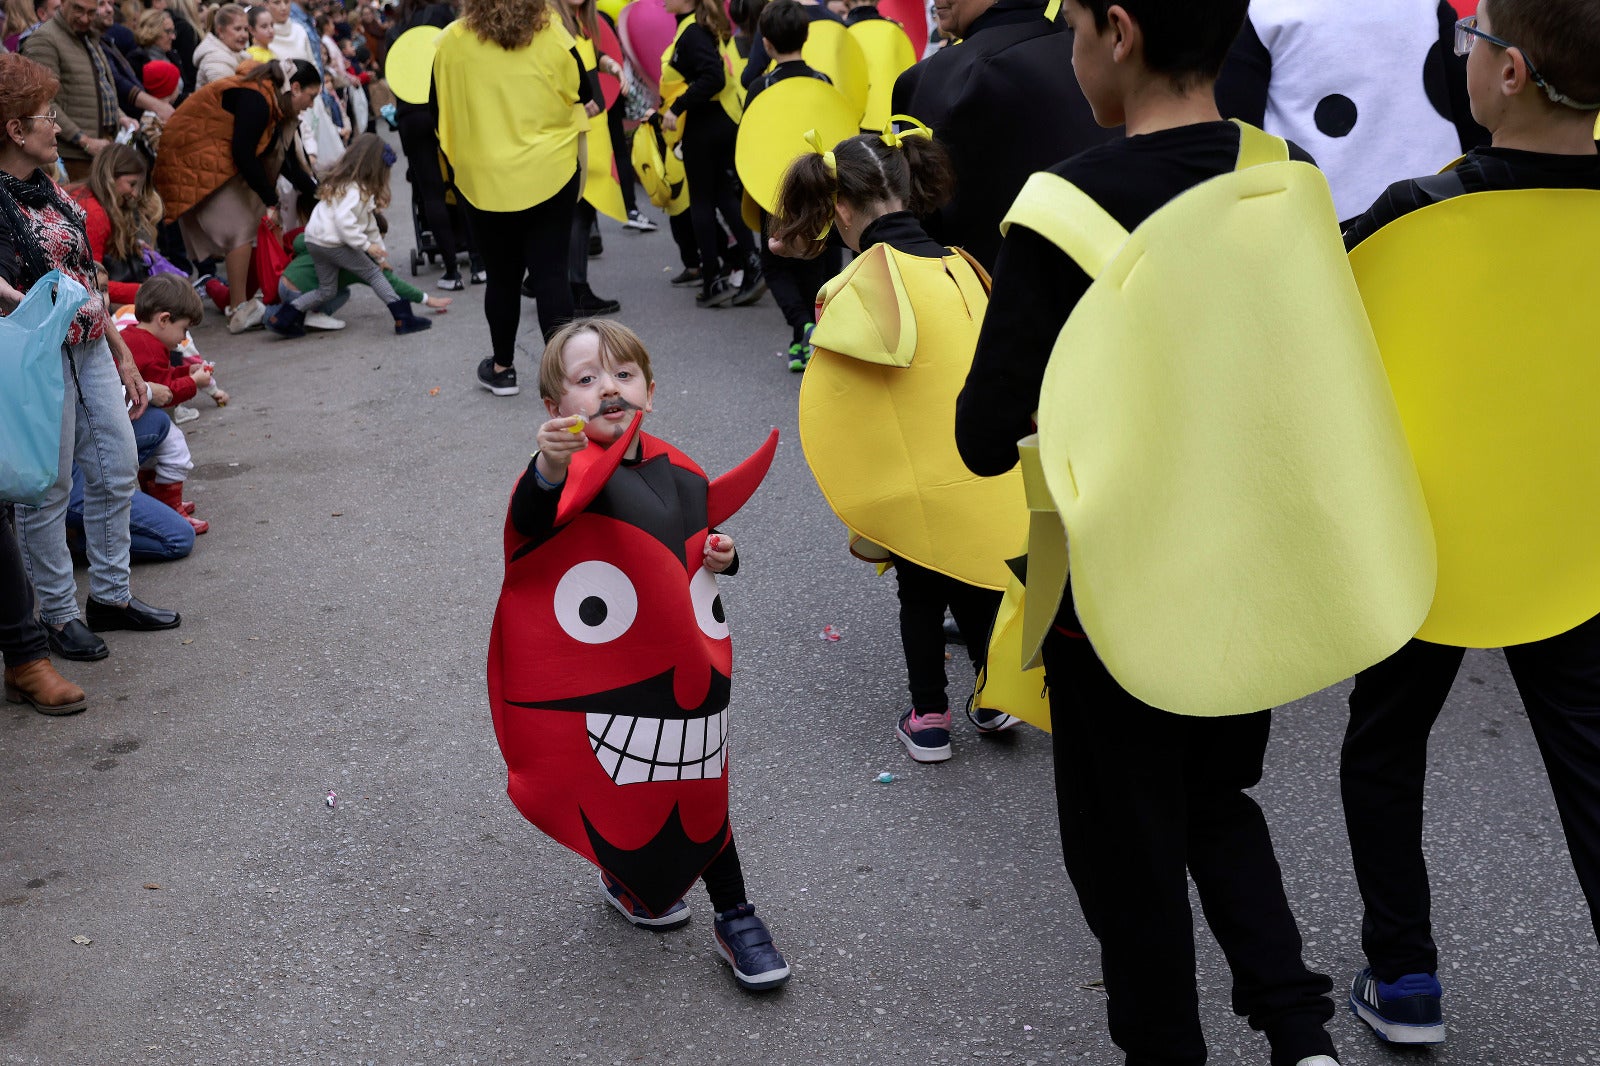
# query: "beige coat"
[[214, 60], [66, 55]]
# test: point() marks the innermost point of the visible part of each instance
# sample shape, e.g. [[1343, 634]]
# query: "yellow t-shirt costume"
[[1496, 378], [506, 118], [1245, 522]]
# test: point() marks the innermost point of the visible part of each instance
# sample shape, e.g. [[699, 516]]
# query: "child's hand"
[[200, 375], [221, 398], [669, 120], [160, 395], [558, 443], [719, 552]]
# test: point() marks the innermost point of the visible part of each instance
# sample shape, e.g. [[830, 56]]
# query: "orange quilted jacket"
[[196, 157]]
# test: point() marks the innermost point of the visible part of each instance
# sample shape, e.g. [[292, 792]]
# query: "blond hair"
[[618, 345]]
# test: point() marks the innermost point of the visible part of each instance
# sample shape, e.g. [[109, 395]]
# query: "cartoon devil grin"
[[610, 665]]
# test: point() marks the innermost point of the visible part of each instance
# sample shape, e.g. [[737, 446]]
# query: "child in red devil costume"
[[610, 662]]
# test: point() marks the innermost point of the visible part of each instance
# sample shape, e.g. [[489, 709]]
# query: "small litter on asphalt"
[[151, 885], [885, 777], [434, 391], [338, 514], [1027, 1028], [83, 940], [333, 798], [832, 633], [186, 640]]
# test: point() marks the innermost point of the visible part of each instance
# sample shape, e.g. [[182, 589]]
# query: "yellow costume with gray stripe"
[[894, 342], [1245, 521]]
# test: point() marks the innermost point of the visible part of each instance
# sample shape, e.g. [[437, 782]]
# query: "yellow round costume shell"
[[772, 135], [893, 344], [1215, 426], [1495, 374]]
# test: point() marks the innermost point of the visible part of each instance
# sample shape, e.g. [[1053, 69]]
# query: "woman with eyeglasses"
[[42, 230]]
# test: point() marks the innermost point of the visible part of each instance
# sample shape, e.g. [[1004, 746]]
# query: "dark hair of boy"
[[1560, 38], [785, 26], [1186, 40], [169, 293]]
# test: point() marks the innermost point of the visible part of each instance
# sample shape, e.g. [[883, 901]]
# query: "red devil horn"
[[586, 479], [733, 490]]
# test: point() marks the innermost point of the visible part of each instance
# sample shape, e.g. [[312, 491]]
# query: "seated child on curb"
[[342, 234], [166, 306], [640, 586]]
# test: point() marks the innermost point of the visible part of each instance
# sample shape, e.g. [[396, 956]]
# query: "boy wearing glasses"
[[1534, 83]]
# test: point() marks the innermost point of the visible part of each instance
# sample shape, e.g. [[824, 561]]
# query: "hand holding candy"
[[559, 440], [719, 552]]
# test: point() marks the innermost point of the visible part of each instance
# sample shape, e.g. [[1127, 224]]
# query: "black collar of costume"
[[901, 231]]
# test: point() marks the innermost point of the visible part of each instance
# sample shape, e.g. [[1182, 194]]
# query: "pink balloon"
[[646, 29]]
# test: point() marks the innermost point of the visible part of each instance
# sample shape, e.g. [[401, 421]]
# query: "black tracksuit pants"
[[708, 140], [1384, 763], [924, 594]]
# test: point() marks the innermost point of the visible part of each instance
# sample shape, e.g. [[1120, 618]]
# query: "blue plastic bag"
[[32, 389]]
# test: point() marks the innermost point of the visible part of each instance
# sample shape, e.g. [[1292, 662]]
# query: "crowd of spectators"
[[148, 146]]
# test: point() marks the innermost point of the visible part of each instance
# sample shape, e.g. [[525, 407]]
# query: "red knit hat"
[[161, 78]]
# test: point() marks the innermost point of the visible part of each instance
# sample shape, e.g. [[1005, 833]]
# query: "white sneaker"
[[247, 315], [184, 413], [1318, 1060], [318, 320]]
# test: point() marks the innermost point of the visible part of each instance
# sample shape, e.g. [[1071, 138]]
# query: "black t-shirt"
[[794, 68], [1483, 170], [1036, 285]]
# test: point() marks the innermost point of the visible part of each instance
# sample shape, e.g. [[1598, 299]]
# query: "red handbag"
[[269, 261]]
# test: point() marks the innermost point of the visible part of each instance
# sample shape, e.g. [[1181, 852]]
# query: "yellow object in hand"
[[579, 427]]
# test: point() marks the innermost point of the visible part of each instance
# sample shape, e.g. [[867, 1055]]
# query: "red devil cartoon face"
[[609, 671]]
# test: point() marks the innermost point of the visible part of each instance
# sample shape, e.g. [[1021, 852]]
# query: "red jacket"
[[98, 225], [155, 363]]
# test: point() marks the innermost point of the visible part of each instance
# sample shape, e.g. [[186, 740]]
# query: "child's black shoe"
[[745, 944]]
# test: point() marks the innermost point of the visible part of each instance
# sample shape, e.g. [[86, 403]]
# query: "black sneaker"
[[639, 223], [501, 384], [586, 303], [479, 277], [719, 294], [751, 287], [799, 355], [989, 720], [596, 246], [451, 283], [745, 944], [634, 911], [687, 276], [1407, 1012]]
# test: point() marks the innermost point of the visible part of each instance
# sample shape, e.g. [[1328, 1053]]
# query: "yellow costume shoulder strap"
[[1068, 218], [1257, 148]]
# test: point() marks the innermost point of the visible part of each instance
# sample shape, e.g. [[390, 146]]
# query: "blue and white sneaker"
[[989, 720], [926, 736], [634, 911], [745, 944], [1406, 1012]]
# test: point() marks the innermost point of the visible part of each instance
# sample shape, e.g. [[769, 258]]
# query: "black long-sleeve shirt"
[[1483, 170], [794, 68], [699, 60], [251, 117], [1036, 285], [901, 231]]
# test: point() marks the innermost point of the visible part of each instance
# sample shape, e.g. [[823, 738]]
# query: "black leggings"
[[924, 594], [21, 635], [708, 140], [623, 154], [795, 282], [583, 219], [534, 242], [429, 185], [724, 879]]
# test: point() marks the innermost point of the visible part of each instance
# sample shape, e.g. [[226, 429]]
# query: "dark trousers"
[[623, 154], [530, 242], [583, 220], [708, 139], [681, 226], [21, 634], [924, 594], [1384, 762], [420, 143], [1147, 801], [795, 282], [724, 879]]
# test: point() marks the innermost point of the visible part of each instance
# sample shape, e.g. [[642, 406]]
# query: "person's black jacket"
[[1005, 103], [756, 63]]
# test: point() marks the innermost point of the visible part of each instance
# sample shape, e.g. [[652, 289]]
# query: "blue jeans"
[[97, 434], [157, 532]]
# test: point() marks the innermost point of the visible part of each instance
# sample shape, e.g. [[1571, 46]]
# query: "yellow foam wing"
[[1495, 373], [877, 415], [772, 134], [408, 68], [1246, 522], [829, 48], [888, 52]]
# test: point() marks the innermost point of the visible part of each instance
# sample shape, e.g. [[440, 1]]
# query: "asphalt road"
[[335, 625]]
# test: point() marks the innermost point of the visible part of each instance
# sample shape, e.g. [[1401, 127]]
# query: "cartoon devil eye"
[[595, 602], [708, 605]]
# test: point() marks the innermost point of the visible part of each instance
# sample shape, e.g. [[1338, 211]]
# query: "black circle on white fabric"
[[1336, 115], [592, 611]]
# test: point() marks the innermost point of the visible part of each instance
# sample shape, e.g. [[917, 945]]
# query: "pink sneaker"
[[926, 736]]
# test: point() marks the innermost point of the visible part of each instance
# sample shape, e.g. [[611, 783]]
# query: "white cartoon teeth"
[[632, 750]]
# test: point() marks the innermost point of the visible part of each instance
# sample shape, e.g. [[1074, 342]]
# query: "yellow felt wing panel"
[[878, 425], [408, 67], [888, 52], [1496, 375], [1047, 556], [773, 133], [1002, 684], [1246, 523], [829, 48]]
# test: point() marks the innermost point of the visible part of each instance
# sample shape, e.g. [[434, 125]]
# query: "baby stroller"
[[426, 247]]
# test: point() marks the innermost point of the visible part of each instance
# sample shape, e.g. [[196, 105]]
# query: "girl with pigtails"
[[877, 404], [700, 93]]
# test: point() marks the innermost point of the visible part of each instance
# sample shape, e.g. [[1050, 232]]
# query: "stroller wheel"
[[416, 262]]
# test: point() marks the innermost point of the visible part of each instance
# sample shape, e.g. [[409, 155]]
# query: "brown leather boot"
[[37, 683]]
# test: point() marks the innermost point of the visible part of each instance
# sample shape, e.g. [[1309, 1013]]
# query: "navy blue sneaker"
[[744, 943], [634, 911], [926, 736], [1406, 1012]]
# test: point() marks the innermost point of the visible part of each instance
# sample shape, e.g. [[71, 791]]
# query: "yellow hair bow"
[[815, 141], [895, 138]]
